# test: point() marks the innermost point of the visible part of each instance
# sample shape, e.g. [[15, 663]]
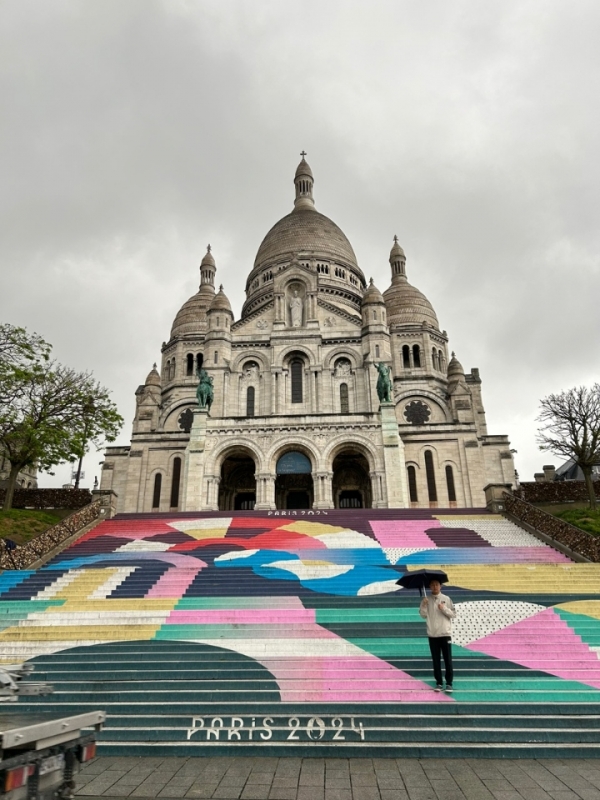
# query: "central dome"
[[305, 232]]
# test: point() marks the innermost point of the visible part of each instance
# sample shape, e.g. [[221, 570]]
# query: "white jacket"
[[439, 618]]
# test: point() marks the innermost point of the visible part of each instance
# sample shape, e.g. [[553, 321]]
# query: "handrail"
[[578, 541]]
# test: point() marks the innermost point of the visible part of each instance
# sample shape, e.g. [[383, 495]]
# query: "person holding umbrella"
[[438, 610]]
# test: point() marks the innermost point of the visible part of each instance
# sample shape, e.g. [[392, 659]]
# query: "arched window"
[[250, 401], [450, 484], [173, 369], [296, 369], [216, 357], [416, 355], [434, 358], [406, 357], [156, 493], [431, 488], [199, 360], [175, 482], [412, 484], [376, 351], [344, 404], [374, 315], [190, 364]]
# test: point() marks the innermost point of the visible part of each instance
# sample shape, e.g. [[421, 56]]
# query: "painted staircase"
[[285, 633]]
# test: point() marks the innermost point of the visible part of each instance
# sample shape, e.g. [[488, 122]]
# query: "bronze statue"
[[384, 383], [204, 392]]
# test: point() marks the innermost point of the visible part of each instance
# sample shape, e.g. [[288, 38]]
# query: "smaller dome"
[[220, 302], [153, 378], [455, 368], [372, 295], [303, 169], [406, 305], [396, 251], [191, 317], [208, 260]]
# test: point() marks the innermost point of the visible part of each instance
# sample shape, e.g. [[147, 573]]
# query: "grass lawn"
[[582, 518], [21, 525]]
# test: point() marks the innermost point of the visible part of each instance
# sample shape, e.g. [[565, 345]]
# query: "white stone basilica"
[[296, 421]]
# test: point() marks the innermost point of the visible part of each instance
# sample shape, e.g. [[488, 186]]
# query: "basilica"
[[296, 420]]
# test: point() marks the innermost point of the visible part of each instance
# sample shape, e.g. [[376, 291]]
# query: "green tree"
[[49, 413], [571, 428]]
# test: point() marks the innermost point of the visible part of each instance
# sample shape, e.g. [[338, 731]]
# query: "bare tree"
[[571, 428]]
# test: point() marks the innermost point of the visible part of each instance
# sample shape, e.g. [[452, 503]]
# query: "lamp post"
[[87, 411]]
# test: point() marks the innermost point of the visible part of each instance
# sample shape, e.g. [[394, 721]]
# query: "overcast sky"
[[134, 132]]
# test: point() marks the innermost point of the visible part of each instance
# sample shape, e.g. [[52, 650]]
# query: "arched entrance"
[[351, 484], [294, 483], [237, 489]]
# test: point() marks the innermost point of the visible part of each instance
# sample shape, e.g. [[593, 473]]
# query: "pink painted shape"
[[544, 642], [347, 679], [245, 616], [174, 582], [404, 532]]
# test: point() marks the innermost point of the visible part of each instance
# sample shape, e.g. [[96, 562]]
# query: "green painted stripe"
[[325, 615]]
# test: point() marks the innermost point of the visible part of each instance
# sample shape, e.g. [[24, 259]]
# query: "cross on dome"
[[303, 153]]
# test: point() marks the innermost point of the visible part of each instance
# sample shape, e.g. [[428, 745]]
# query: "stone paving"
[[234, 778]]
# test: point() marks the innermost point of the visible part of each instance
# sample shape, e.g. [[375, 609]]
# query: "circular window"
[[417, 412], [185, 420]]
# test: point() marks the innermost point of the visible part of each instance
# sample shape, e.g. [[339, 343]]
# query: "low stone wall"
[[558, 530], [27, 554], [555, 491], [49, 498]]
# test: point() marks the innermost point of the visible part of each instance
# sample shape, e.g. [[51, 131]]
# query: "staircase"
[[285, 633]]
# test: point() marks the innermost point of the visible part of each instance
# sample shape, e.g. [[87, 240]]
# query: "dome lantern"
[[303, 180], [397, 260], [208, 268]]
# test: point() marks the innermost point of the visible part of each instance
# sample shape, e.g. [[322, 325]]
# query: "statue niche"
[[296, 306]]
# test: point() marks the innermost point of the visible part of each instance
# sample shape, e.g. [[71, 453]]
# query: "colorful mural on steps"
[[314, 600]]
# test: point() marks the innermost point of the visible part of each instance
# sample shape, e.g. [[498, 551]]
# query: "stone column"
[[265, 492], [393, 456], [212, 492], [322, 485], [193, 471]]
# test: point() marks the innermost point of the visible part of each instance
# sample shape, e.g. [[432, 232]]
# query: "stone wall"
[[555, 491], [49, 498], [557, 529], [22, 557]]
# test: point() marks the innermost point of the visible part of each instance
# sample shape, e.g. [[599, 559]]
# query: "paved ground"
[[233, 778]]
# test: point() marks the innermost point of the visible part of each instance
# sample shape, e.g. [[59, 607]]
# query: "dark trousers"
[[441, 646]]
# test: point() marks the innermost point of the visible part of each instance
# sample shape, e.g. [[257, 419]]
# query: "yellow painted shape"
[[209, 533], [310, 563], [85, 584], [311, 528], [590, 608], [79, 632], [141, 604], [526, 578]]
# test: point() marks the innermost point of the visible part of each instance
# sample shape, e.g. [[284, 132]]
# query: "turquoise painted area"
[[376, 615], [586, 627], [12, 577], [17, 606]]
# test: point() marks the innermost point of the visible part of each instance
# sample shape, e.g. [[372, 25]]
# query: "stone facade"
[[296, 377]]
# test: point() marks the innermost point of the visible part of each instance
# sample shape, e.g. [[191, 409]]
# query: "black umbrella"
[[421, 578]]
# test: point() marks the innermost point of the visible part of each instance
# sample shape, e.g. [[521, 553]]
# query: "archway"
[[351, 485], [294, 483], [237, 489]]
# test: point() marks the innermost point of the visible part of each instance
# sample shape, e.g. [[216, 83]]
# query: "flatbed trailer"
[[40, 754]]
